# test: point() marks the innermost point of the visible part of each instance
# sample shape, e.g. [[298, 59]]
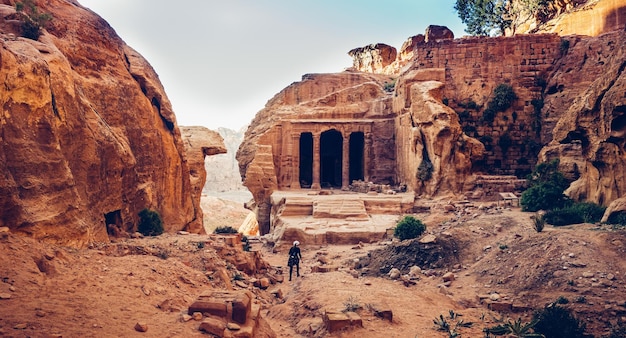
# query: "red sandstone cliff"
[[582, 17], [88, 136]]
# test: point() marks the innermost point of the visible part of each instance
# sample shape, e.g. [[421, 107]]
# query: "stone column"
[[295, 161], [316, 162], [366, 155], [345, 162]]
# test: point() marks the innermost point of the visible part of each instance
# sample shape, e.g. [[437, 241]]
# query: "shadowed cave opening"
[[113, 222], [357, 143], [331, 144], [306, 160]]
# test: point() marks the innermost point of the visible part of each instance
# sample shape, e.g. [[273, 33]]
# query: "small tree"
[[546, 188], [484, 17], [32, 20], [150, 223], [408, 228]]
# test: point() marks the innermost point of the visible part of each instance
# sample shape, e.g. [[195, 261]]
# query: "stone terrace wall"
[[473, 68]]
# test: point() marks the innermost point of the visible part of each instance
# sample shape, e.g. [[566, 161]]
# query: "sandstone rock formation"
[[571, 17], [223, 170], [89, 137], [421, 120], [436, 33], [585, 111], [373, 58], [199, 143]]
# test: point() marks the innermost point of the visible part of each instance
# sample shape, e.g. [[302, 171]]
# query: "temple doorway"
[[331, 148], [357, 143], [306, 160]]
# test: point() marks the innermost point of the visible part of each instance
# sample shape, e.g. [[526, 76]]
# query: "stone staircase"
[[349, 209]]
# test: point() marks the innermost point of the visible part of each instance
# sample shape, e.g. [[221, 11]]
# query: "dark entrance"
[[331, 143], [357, 143], [113, 222], [306, 160]]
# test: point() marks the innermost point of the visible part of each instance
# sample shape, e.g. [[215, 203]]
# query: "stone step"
[[340, 208]]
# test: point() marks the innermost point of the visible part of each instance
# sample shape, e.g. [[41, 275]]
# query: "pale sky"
[[221, 61]]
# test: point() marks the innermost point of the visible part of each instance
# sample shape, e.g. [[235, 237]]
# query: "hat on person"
[[296, 243]]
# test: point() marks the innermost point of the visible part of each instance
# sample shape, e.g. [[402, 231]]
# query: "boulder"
[[436, 33]]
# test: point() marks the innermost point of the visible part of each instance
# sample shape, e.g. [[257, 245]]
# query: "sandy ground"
[[104, 291]]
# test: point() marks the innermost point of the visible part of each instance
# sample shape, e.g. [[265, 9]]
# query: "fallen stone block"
[[215, 307], [337, 321], [501, 306], [324, 268], [241, 307], [214, 326]]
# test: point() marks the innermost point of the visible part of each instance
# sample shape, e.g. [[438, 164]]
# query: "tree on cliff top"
[[493, 17], [484, 17]]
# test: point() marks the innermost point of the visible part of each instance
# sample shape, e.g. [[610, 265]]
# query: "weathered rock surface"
[[222, 174], [199, 142], [89, 137], [581, 17], [585, 111], [373, 58]]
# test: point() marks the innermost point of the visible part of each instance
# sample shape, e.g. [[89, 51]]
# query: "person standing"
[[294, 259]]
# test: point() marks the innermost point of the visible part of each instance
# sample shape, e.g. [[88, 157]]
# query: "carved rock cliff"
[[88, 137], [421, 121]]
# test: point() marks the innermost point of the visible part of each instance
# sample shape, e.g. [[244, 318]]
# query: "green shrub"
[[150, 223], [32, 21], [225, 230], [575, 213], [539, 222], [546, 189], [554, 322], [389, 86], [409, 228], [618, 218], [425, 170], [503, 97]]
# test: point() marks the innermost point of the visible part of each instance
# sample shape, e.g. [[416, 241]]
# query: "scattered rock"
[[233, 327], [213, 326], [141, 327], [394, 273], [588, 274], [448, 277], [494, 296], [415, 271], [428, 239], [197, 316]]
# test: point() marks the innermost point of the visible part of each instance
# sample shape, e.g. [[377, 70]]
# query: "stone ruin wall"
[[473, 68]]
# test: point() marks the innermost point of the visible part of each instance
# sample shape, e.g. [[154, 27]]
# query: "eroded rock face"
[[199, 143], [373, 58], [582, 17], [433, 154], [586, 114], [89, 137]]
